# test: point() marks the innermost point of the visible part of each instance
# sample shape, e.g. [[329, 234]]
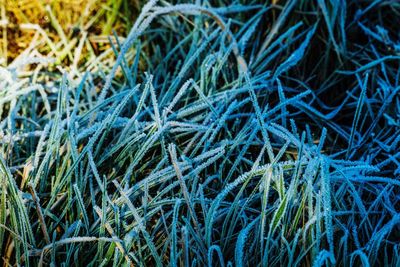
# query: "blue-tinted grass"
[[211, 135]]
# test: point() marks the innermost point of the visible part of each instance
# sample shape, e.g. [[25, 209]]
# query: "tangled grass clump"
[[223, 135]]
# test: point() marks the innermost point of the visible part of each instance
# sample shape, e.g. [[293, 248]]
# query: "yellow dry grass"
[[70, 31]]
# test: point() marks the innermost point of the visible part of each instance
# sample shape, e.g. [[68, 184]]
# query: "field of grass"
[[200, 133]]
